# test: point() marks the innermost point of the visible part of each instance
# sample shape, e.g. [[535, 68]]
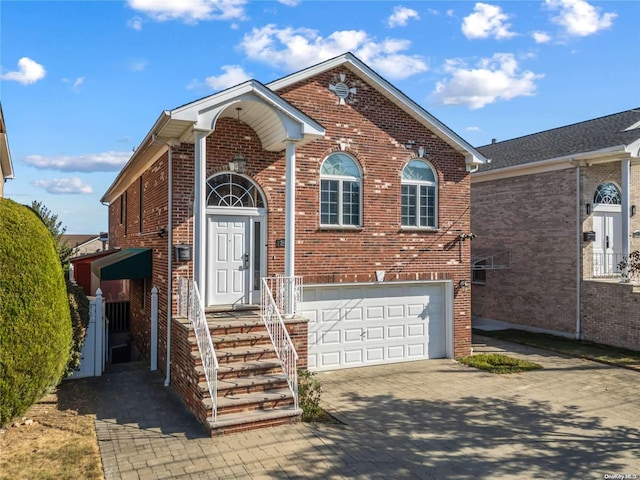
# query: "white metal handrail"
[[280, 338], [606, 264], [190, 306]]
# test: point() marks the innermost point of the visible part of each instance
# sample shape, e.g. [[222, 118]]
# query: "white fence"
[[94, 349]]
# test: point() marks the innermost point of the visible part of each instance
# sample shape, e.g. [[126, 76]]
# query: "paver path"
[[429, 419]]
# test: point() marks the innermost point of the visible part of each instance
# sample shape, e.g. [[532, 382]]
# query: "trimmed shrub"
[[35, 323], [79, 309]]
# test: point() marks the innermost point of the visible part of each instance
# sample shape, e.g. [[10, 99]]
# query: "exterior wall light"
[[238, 164], [463, 284], [633, 210], [588, 208]]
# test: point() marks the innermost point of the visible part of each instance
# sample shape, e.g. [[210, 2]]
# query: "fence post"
[[154, 328], [99, 350]]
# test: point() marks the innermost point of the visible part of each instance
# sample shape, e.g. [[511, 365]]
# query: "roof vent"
[[493, 140]]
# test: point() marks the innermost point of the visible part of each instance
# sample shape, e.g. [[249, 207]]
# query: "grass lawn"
[[619, 357], [498, 363], [58, 440]]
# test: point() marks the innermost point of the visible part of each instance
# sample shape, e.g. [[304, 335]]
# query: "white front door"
[[228, 260], [607, 249]]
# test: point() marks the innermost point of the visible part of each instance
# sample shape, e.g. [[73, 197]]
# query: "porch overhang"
[[130, 263]]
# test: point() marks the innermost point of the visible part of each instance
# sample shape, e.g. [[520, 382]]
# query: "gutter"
[[578, 255]]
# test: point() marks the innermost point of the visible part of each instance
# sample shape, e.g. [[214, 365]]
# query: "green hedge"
[[35, 323]]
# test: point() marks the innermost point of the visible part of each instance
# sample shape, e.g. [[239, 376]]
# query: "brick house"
[[330, 177], [554, 213]]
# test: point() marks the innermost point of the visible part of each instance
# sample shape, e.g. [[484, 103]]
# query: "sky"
[[82, 82]]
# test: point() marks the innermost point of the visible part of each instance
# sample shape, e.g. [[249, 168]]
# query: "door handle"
[[607, 241], [245, 260]]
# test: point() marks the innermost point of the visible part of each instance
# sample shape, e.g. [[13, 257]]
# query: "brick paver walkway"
[[430, 419]]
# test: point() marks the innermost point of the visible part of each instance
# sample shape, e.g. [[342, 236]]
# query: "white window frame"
[[341, 179], [418, 184]]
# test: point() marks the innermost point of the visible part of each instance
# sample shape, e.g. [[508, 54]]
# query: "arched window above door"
[[232, 190], [607, 194]]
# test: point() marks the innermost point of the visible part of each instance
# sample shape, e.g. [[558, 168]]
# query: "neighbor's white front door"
[[228, 259], [607, 249]]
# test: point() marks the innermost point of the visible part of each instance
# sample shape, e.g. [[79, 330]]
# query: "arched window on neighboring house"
[[419, 195], [607, 194], [340, 191]]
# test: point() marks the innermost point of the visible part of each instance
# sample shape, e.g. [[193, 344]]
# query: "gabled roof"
[[394, 95], [617, 133], [77, 240], [6, 165], [274, 119]]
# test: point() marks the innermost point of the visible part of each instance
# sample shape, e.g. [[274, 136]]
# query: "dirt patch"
[[56, 439]]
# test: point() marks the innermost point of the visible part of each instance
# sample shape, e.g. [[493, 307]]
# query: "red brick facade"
[[374, 131], [535, 217]]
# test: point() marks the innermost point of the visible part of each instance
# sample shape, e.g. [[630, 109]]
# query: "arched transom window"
[[340, 187], [419, 195], [231, 190], [607, 194]]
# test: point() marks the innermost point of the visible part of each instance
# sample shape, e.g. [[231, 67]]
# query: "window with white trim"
[[419, 195], [340, 191]]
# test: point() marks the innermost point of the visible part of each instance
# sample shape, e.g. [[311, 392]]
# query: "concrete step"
[[247, 402], [244, 324], [245, 353], [248, 369], [235, 340], [238, 422], [241, 385]]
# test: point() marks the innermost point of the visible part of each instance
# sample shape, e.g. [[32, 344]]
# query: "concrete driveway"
[[429, 419]]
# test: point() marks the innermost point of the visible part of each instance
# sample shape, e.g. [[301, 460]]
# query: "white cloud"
[[61, 186], [541, 37], [76, 84], [135, 23], [92, 162], [493, 79], [293, 49], [401, 15], [579, 18], [190, 11], [233, 75], [28, 72], [473, 129], [487, 21], [138, 65], [290, 3]]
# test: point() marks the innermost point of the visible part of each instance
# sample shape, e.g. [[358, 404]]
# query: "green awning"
[[130, 263]]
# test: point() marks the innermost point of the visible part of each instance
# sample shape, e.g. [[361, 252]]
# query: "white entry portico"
[[280, 127]]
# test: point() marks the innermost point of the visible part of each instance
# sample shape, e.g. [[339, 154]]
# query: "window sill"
[[419, 229], [332, 228]]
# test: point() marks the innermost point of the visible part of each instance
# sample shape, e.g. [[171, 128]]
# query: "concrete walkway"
[[430, 420]]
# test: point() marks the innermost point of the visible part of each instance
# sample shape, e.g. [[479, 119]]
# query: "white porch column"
[[625, 165], [290, 225], [199, 208], [290, 210]]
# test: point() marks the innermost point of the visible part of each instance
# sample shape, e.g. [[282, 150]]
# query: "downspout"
[[167, 380], [578, 255]]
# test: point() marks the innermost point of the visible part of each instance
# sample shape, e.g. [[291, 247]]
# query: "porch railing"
[[270, 310], [606, 264], [287, 293], [190, 306]]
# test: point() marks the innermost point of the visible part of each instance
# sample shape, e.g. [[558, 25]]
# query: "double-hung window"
[[419, 195], [340, 191]]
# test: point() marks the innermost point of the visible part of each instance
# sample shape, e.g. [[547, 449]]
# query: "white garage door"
[[372, 324]]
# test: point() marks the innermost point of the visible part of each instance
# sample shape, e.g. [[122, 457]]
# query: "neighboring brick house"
[[331, 174], [6, 165], [554, 213]]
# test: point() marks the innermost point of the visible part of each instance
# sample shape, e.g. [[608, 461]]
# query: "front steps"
[[252, 390]]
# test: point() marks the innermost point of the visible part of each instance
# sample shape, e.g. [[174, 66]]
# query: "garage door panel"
[[395, 331], [415, 330], [353, 335], [376, 333], [353, 357], [374, 324], [331, 337]]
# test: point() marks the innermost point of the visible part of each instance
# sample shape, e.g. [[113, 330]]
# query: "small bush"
[[35, 326], [498, 363], [309, 390]]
